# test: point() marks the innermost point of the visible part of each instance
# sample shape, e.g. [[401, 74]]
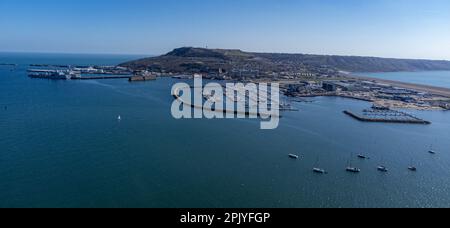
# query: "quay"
[[384, 118]]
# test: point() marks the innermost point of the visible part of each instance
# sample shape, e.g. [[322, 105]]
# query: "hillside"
[[190, 60]]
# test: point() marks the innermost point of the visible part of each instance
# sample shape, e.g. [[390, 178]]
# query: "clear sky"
[[385, 28]]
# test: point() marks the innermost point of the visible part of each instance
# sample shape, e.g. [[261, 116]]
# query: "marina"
[[385, 116], [248, 112]]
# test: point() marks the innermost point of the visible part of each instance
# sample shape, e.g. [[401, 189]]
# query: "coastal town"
[[305, 75], [299, 75], [301, 84], [296, 82]]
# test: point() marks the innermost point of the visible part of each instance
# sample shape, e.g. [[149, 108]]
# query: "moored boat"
[[361, 156], [382, 169], [353, 170], [320, 171]]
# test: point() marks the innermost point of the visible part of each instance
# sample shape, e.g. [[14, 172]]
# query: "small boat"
[[353, 170], [119, 118], [293, 156], [350, 167], [320, 171], [412, 167], [382, 169], [363, 156], [432, 151]]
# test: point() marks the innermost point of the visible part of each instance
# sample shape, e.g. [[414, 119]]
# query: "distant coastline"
[[429, 78]]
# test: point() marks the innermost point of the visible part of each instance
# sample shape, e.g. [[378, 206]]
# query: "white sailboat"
[[432, 151], [319, 170], [382, 168], [412, 167], [350, 167]]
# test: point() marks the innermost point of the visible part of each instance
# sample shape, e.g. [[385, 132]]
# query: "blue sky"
[[386, 28]]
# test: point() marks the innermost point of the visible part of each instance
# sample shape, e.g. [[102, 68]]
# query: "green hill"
[[189, 60]]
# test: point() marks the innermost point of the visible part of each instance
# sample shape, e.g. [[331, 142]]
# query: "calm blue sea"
[[61, 145], [432, 78]]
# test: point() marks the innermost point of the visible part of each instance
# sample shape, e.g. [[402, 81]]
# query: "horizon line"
[[263, 52]]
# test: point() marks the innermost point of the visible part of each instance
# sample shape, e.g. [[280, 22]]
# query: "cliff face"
[[188, 59]]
